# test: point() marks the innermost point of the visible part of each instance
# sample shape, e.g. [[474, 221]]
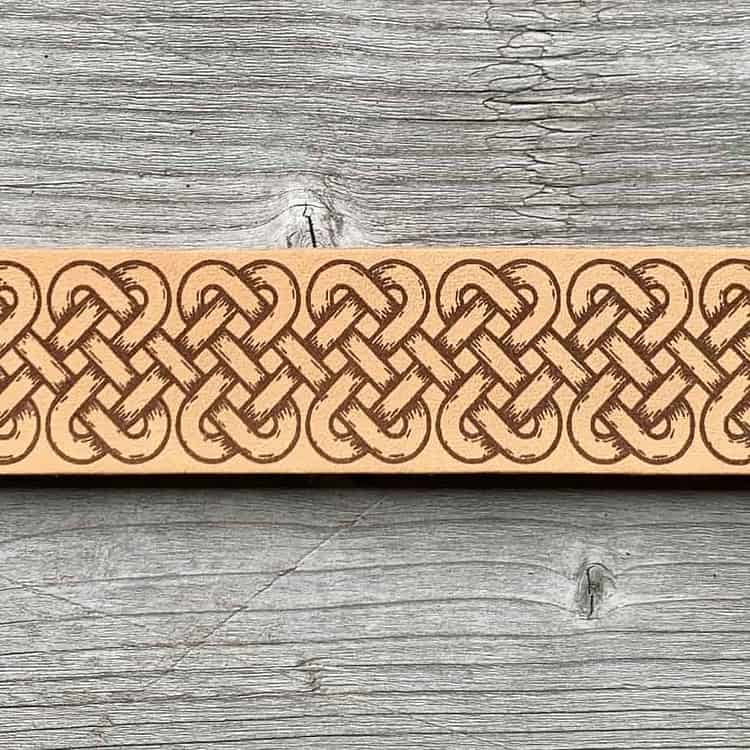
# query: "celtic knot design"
[[476, 362]]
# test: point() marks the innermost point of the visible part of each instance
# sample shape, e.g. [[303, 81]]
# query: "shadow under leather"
[[463, 485]]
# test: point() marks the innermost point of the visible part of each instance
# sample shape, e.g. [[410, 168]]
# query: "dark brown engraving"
[[516, 368]]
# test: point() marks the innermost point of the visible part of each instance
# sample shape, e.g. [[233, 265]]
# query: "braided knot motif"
[[494, 319], [626, 317], [235, 320], [725, 301], [363, 317], [105, 319], [20, 301], [248, 364]]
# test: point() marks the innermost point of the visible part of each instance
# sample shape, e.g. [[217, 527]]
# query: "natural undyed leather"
[[383, 360]]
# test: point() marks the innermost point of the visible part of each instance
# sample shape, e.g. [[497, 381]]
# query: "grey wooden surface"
[[215, 122], [374, 614], [363, 613]]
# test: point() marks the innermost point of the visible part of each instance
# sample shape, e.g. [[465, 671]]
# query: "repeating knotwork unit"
[[361, 373]]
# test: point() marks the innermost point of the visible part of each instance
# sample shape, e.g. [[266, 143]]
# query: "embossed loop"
[[347, 301], [486, 313], [235, 317], [554, 360]]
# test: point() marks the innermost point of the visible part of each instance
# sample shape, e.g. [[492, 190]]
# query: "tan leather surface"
[[382, 360]]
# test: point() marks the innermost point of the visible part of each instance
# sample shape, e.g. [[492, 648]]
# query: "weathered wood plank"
[[217, 123], [383, 616]]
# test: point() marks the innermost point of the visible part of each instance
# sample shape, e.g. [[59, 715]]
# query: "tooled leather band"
[[383, 360]]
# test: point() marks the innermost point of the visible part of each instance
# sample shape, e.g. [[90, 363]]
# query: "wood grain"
[[377, 615], [431, 614], [216, 123]]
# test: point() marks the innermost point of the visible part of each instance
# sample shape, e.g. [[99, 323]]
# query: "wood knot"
[[313, 673], [596, 584], [314, 222]]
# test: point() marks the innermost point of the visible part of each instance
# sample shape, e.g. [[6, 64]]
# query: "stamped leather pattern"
[[387, 360]]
